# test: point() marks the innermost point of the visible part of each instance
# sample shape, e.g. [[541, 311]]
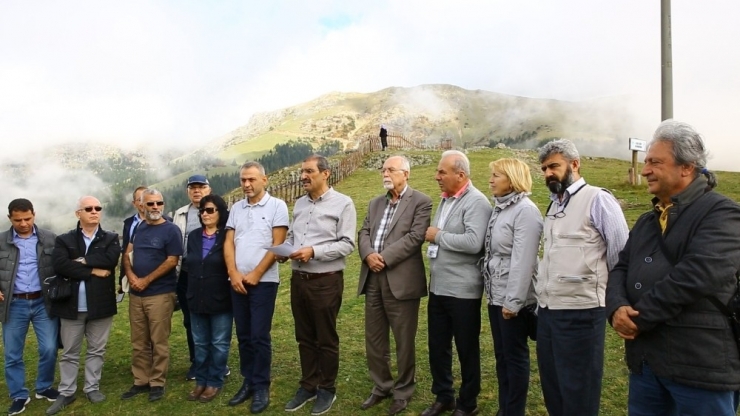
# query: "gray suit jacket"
[[402, 251]]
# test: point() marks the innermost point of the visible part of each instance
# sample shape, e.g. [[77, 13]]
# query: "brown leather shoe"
[[460, 412], [195, 394], [397, 406], [372, 401], [438, 408], [209, 394]]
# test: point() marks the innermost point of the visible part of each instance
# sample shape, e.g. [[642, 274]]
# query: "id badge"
[[432, 251]]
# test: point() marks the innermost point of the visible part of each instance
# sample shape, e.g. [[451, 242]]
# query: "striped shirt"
[[385, 221]]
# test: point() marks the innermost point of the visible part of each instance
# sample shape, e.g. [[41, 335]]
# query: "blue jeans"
[[653, 395], [23, 312], [253, 319], [212, 338], [570, 356]]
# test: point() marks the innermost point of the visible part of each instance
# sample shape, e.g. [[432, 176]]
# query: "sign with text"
[[638, 145]]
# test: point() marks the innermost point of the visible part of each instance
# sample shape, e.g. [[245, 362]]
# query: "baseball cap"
[[201, 179]]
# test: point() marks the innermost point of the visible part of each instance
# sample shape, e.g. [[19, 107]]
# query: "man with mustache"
[[680, 261], [456, 240], [25, 264], [393, 280], [323, 235], [156, 248], [584, 230]]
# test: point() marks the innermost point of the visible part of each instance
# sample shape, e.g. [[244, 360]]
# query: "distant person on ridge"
[[383, 137]]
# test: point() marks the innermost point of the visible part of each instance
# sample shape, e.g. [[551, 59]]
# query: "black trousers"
[[315, 304], [512, 361], [182, 291], [459, 319]]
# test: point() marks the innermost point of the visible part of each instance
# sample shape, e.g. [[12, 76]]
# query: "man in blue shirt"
[[25, 261], [149, 264]]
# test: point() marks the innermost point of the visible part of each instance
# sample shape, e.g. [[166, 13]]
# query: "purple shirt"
[[208, 242]]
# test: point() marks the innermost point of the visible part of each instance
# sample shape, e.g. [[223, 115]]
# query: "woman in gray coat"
[[511, 246]]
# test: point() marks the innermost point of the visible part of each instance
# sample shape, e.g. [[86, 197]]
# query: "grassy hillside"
[[354, 383]]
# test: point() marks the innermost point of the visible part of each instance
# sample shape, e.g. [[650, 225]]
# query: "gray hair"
[[564, 147], [149, 191], [405, 164], [687, 147], [79, 201], [461, 161], [253, 164]]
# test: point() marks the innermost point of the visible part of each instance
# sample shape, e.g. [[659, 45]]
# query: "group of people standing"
[[220, 268]]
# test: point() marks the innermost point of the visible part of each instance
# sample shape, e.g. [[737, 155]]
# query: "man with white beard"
[[156, 248]]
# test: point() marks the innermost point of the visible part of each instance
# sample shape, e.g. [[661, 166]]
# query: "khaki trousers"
[[151, 324]]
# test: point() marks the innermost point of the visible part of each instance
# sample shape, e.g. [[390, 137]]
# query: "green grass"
[[353, 384]]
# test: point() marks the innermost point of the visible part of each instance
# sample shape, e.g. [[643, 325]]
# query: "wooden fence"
[[290, 189]]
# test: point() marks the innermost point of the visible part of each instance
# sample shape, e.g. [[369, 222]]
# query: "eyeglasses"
[[556, 215], [90, 209], [153, 203], [391, 170], [207, 210]]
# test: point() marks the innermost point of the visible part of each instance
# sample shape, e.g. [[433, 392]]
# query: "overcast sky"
[[140, 71]]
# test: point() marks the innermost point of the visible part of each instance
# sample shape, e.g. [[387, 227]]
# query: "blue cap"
[[197, 179]]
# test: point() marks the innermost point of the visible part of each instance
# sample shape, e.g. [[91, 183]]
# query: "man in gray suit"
[[393, 280]]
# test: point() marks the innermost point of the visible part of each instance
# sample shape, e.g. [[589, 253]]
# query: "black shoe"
[[156, 393], [241, 396], [49, 394], [190, 376], [18, 406], [261, 401], [134, 390]]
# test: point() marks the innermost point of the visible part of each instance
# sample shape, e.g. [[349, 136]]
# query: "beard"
[[388, 185], [153, 216], [559, 186]]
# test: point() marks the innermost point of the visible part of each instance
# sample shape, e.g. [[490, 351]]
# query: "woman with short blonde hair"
[[511, 247]]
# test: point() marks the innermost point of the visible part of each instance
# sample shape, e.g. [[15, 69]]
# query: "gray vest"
[[573, 270]]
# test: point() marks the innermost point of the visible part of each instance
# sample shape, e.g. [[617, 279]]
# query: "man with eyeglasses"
[[87, 256], [150, 263], [393, 280], [260, 220], [25, 262], [323, 235], [584, 231], [186, 217]]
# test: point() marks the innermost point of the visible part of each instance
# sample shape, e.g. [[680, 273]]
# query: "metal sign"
[[638, 145]]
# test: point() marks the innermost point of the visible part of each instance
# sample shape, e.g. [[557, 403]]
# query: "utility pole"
[[666, 56]]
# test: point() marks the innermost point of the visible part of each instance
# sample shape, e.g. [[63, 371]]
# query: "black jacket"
[[209, 290], [682, 335], [103, 254]]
